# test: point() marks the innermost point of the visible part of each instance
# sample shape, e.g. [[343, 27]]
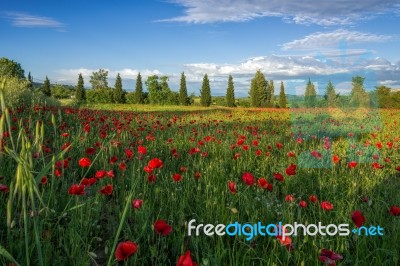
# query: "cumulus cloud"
[[301, 12], [25, 20], [320, 40], [70, 76]]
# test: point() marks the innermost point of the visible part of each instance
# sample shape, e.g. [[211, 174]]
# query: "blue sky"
[[289, 41]]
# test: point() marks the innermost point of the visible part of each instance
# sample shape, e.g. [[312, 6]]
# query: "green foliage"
[[270, 97], [10, 68], [205, 92], [59, 91], [99, 95], [137, 97], [230, 93], [80, 92], [258, 90], [46, 87], [99, 79], [183, 96], [282, 97], [159, 91], [330, 95], [119, 93], [310, 95], [387, 98], [30, 81], [359, 97], [18, 94]]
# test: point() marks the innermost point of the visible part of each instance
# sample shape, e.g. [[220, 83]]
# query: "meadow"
[[110, 185]]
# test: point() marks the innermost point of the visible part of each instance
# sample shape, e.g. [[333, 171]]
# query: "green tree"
[[119, 93], [80, 93], [258, 90], [330, 95], [183, 96], [282, 96], [310, 95], [46, 87], [30, 81], [205, 92], [270, 94], [138, 97], [359, 97], [9, 68], [99, 79], [230, 93]]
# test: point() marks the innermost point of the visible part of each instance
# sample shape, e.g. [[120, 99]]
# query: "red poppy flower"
[[326, 205], [290, 198], [335, 159], [100, 174], [197, 175], [85, 162], [394, 210], [291, 154], [3, 188], [155, 163], [352, 164], [177, 177], [110, 174], [232, 187], [248, 178], [329, 257], [125, 250], [358, 218], [263, 183], [316, 154], [279, 145], [106, 190], [113, 159], [291, 170], [376, 165], [303, 204], [258, 152], [398, 168], [279, 177], [43, 181], [76, 189], [88, 181], [148, 169], [161, 227], [142, 150], [186, 260], [86, 128], [90, 151], [137, 203], [122, 166], [313, 198], [151, 178], [128, 154]]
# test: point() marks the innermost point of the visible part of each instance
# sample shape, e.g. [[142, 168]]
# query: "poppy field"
[[100, 187]]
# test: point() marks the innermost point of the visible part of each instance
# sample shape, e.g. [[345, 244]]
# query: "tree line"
[[261, 91]]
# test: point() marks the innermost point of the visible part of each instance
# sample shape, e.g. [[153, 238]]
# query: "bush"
[[17, 94], [99, 96]]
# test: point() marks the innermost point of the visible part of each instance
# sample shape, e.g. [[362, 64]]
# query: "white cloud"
[[24, 20], [327, 13], [70, 76], [320, 40]]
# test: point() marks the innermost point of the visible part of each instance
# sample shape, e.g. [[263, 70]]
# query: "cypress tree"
[[30, 81], [46, 87], [230, 93], [139, 89], [310, 94], [80, 93], [270, 94], [359, 97], [258, 90], [183, 97], [119, 94], [205, 92], [330, 95], [282, 97]]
